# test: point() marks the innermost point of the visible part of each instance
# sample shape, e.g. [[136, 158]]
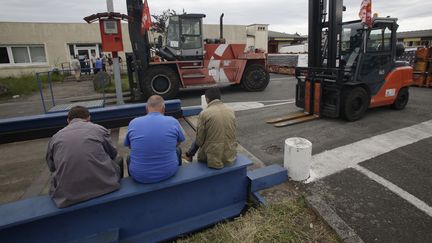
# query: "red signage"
[[111, 35]]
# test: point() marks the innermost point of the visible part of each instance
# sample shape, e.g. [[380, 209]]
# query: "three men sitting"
[[84, 162]]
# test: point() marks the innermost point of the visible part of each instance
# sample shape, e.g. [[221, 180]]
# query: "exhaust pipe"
[[221, 27]]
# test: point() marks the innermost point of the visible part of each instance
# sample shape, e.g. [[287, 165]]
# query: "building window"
[[4, 57], [37, 54], [22, 54]]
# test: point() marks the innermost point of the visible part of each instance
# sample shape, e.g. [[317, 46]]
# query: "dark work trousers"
[[178, 151], [179, 155], [87, 69], [119, 161], [192, 150]]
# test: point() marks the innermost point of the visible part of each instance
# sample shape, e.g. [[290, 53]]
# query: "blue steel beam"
[[267, 177], [194, 198], [41, 126]]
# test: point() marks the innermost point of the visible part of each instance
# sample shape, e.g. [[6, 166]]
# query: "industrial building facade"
[[26, 48], [417, 38]]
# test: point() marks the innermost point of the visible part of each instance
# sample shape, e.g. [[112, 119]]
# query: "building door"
[[88, 50]]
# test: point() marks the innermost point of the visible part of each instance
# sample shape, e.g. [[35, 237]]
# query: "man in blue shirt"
[[153, 141], [98, 65]]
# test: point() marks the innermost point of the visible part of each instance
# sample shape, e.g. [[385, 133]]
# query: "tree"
[[159, 25]]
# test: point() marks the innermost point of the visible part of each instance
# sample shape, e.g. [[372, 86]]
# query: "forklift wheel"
[[255, 78], [161, 80], [401, 99], [355, 103]]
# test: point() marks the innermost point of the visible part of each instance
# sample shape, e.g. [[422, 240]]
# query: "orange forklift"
[[187, 60], [351, 67]]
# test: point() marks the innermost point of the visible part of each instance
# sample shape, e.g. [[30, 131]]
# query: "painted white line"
[[243, 106], [277, 79], [274, 101], [335, 160], [397, 190], [283, 103]]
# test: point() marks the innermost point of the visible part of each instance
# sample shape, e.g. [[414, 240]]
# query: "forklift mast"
[[319, 19], [137, 63]]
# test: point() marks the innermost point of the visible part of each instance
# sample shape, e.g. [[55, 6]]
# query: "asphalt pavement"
[[385, 198]]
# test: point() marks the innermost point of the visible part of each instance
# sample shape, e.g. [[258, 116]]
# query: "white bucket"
[[297, 158], [203, 102]]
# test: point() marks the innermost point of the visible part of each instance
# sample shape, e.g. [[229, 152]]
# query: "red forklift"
[[351, 67], [187, 60]]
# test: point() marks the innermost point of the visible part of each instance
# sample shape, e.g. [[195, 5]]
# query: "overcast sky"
[[288, 16]]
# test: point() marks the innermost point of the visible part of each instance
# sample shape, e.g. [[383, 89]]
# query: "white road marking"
[[283, 103], [277, 79], [274, 101], [335, 160], [397, 190], [243, 106]]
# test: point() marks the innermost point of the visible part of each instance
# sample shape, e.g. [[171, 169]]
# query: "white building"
[[26, 48]]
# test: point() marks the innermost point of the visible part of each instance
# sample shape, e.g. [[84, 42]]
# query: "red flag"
[[365, 13], [146, 18]]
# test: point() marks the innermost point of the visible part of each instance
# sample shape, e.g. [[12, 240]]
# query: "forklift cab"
[[379, 53], [184, 36], [369, 62]]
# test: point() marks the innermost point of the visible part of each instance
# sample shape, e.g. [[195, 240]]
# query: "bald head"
[[156, 104]]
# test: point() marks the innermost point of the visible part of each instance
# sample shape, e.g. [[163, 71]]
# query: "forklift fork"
[[312, 105], [288, 117]]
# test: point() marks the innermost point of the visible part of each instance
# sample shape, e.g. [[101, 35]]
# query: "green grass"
[[26, 84], [111, 87], [286, 221]]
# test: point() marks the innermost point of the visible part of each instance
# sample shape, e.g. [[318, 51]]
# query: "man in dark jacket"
[[83, 161]]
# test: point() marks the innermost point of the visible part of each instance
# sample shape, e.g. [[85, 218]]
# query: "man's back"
[[75, 64], [152, 140], [80, 157], [216, 135]]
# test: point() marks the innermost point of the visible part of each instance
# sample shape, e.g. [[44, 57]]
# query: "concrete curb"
[[345, 233]]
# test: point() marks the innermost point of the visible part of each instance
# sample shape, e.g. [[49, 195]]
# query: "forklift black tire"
[[355, 103], [255, 78], [161, 80], [401, 99]]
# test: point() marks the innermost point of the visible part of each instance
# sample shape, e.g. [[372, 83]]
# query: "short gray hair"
[[156, 102]]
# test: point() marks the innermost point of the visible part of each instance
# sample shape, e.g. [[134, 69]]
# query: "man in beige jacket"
[[76, 67], [216, 133]]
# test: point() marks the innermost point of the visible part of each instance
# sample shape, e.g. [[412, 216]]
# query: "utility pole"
[[116, 65]]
